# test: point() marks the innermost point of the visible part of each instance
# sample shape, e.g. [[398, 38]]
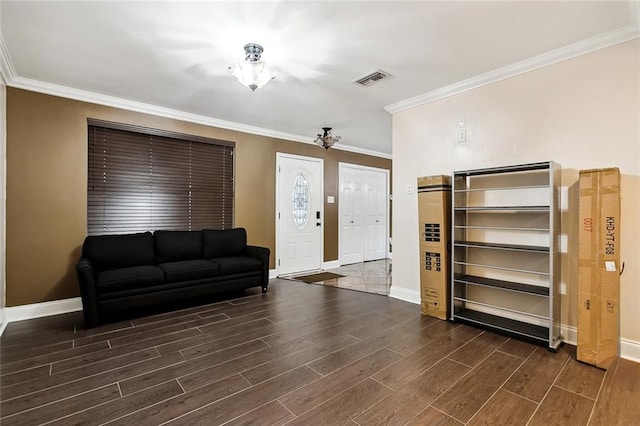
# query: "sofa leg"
[[264, 289]]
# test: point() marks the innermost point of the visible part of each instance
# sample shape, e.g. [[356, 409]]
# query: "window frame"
[[150, 132]]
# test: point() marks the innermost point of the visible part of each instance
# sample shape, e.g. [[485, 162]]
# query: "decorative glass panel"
[[300, 201]]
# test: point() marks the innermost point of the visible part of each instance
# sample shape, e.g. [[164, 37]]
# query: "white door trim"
[[279, 157], [341, 167]]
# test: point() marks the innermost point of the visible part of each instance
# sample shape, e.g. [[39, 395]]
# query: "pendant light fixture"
[[326, 140], [252, 72]]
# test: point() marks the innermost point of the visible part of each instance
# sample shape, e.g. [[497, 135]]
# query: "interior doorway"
[[299, 213], [363, 213]]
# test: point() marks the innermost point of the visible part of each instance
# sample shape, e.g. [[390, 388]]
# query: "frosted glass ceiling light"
[[326, 140], [252, 72]]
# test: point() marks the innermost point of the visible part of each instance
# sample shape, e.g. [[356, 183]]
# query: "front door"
[[300, 213]]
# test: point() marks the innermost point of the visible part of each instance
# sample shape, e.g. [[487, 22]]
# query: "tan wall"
[[47, 194], [582, 113], [3, 134]]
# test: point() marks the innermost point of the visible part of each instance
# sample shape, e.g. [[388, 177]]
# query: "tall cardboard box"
[[599, 267], [434, 216]]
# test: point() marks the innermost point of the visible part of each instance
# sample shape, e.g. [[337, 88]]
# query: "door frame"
[[341, 167], [279, 157]]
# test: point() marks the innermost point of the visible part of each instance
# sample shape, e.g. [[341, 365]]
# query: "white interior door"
[[363, 213], [351, 198], [375, 240], [300, 213]]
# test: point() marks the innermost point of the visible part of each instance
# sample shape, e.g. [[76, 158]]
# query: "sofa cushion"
[[220, 243], [118, 251], [128, 278], [237, 265], [188, 270], [174, 246]]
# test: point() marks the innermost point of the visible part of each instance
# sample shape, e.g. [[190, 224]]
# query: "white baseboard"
[[332, 264], [411, 296], [569, 334], [37, 310], [273, 273], [3, 320], [630, 349]]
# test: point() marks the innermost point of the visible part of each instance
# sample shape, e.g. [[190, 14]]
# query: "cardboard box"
[[434, 216], [599, 267]]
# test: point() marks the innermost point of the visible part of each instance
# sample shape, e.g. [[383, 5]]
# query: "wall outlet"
[[409, 189], [462, 135]]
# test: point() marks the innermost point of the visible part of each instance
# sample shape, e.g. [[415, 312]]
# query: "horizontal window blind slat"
[[140, 182]]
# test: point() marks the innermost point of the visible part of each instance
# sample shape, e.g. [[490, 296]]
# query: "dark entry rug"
[[321, 276]]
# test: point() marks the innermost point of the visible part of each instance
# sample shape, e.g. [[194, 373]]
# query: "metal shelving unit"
[[505, 258]]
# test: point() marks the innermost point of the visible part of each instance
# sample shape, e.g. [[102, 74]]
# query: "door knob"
[[318, 224]]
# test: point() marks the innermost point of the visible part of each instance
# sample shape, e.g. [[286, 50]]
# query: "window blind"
[[144, 179]]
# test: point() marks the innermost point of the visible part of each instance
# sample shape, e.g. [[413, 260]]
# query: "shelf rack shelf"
[[531, 332], [504, 285], [502, 228], [491, 283], [494, 246]]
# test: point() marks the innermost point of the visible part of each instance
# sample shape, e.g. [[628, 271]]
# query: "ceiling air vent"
[[372, 78]]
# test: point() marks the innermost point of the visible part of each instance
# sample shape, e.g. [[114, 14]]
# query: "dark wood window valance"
[[142, 179]]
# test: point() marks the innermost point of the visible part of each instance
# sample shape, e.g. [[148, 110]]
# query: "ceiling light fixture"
[[252, 72], [326, 140]]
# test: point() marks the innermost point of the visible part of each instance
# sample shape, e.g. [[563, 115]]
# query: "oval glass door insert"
[[300, 201]]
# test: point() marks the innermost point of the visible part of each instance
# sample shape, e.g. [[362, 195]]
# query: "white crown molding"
[[129, 105], [571, 51], [11, 79], [358, 150], [7, 71]]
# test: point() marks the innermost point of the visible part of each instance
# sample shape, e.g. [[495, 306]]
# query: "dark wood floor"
[[302, 354]]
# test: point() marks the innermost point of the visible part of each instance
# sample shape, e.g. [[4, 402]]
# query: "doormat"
[[314, 278]]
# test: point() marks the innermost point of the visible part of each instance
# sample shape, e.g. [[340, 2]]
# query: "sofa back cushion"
[[119, 251], [174, 246], [221, 243]]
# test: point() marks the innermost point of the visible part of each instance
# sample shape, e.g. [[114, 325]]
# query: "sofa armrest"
[[262, 254], [87, 282]]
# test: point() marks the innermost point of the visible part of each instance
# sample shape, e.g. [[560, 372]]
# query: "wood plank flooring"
[[302, 354]]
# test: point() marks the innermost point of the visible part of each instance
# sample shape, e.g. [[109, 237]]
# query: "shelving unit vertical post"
[[505, 269]]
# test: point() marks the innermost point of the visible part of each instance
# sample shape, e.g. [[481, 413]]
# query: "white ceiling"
[[175, 54]]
